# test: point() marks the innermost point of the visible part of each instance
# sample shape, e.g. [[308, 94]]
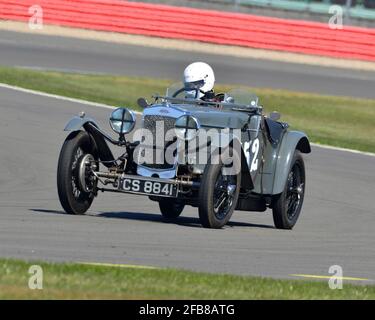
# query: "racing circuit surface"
[[335, 227]]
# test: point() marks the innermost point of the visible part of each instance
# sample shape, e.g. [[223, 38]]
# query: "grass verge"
[[337, 121], [78, 281]]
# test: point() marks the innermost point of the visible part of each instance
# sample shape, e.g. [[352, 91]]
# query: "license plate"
[[146, 187]]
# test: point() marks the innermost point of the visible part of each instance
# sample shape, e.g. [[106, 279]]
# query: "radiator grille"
[[151, 122]]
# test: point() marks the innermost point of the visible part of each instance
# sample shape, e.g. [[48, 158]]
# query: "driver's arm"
[[210, 96]]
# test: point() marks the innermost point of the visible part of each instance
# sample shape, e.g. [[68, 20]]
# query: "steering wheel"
[[185, 89]]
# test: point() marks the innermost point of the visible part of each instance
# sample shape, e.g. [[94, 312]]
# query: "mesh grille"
[[151, 122]]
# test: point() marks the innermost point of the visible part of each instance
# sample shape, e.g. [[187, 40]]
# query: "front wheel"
[[218, 195], [75, 184], [287, 205]]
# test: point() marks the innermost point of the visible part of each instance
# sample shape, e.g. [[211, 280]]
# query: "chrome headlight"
[[186, 127], [122, 120]]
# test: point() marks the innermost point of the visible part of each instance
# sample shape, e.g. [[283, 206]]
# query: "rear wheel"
[[75, 184], [287, 205], [170, 208]]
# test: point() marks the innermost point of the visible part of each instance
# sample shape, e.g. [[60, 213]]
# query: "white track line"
[[55, 96], [101, 105], [58, 97], [324, 146]]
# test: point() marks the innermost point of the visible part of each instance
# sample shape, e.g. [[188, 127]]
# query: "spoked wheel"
[[76, 184], [224, 194], [218, 195], [170, 208], [287, 206]]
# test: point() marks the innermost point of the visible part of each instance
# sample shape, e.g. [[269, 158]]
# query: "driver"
[[200, 78]]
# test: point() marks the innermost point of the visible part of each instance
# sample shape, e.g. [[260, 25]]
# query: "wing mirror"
[[275, 116], [142, 102]]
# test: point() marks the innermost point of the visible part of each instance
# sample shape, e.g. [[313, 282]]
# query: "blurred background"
[[356, 12]]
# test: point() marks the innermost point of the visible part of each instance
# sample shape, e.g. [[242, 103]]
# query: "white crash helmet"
[[199, 75]]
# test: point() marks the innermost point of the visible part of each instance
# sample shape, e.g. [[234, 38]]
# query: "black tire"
[[287, 206], [171, 209], [72, 200], [210, 191]]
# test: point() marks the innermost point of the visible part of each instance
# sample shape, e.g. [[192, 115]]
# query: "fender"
[[76, 123], [292, 140], [90, 126]]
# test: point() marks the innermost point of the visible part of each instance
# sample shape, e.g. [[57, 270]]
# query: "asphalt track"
[[336, 226], [51, 52]]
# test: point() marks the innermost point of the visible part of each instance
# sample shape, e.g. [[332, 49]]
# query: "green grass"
[[78, 281], [337, 121]]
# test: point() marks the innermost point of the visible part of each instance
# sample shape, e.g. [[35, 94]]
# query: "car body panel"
[[209, 117]]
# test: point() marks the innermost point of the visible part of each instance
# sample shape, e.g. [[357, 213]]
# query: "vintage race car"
[[219, 155]]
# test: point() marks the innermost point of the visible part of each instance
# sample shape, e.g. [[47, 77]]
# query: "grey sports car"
[[218, 155]]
